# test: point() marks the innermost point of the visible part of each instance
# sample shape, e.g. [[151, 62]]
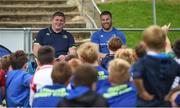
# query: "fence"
[[21, 38]]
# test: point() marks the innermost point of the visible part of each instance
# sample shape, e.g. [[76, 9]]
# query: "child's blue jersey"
[[18, 88], [102, 77], [49, 96], [120, 95]]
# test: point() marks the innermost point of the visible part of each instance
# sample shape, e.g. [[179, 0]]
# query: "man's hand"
[[36, 47], [72, 51], [101, 55], [60, 58]]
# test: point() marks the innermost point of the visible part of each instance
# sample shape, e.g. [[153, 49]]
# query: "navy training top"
[[61, 41]]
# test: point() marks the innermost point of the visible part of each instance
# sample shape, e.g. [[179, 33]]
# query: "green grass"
[[138, 14]]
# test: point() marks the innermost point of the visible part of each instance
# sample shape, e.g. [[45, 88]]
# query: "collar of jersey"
[[77, 92], [51, 30], [158, 55]]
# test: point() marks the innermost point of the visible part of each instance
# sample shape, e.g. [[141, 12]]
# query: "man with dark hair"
[[50, 95], [102, 36], [55, 36], [85, 78]]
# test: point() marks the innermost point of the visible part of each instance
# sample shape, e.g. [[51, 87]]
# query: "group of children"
[[124, 78]]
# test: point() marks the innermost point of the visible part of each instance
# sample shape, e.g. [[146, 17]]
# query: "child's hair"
[[5, 62], [61, 73], [18, 59], [176, 48], [46, 55], [85, 75], [140, 50], [88, 52], [119, 71], [126, 54], [154, 37], [74, 63], [114, 44]]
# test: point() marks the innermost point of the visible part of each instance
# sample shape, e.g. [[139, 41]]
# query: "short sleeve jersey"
[[101, 38], [61, 41]]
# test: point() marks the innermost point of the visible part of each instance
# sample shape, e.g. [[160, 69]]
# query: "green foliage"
[[138, 14]]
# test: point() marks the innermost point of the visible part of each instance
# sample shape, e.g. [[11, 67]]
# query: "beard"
[[107, 26]]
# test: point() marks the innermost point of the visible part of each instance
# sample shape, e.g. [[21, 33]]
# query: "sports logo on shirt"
[[65, 36], [47, 34]]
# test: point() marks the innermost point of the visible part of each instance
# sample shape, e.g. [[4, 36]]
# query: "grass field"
[[138, 14]]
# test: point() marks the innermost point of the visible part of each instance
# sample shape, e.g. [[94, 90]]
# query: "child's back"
[[17, 88], [18, 81], [156, 70], [82, 95], [159, 70], [50, 95], [121, 92]]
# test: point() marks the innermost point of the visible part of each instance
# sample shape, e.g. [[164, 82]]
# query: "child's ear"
[[145, 46], [25, 66], [67, 82], [110, 79], [94, 86], [10, 68]]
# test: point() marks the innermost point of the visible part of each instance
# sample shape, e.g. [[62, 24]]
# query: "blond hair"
[[126, 54], [88, 52], [119, 71], [154, 37]]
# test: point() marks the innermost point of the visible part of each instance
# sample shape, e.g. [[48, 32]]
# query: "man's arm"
[[36, 47]]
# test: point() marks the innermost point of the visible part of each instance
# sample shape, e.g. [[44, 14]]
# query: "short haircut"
[[85, 75], [74, 63], [176, 48], [106, 13], [58, 14], [6, 62], [125, 54], [88, 52], [61, 73], [154, 37], [140, 50], [46, 55], [114, 44], [119, 71], [18, 59]]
